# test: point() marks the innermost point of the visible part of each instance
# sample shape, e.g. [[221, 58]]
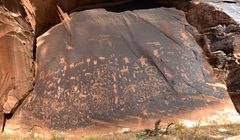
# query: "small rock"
[[35, 135], [216, 137], [233, 138], [222, 130], [171, 129], [125, 130]]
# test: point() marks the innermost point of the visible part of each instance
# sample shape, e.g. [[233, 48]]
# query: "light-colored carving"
[[151, 70], [126, 60], [143, 61]]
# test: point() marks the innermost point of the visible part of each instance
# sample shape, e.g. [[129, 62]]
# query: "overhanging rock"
[[106, 70]]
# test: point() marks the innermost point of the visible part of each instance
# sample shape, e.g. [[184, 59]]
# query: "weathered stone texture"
[[16, 59], [102, 69]]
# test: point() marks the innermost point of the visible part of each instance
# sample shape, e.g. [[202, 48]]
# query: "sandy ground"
[[174, 132]]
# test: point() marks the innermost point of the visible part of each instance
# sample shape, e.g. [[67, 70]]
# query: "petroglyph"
[[135, 67]]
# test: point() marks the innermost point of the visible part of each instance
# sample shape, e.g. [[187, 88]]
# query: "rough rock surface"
[[16, 59], [43, 14], [102, 69], [222, 32], [119, 66], [233, 86]]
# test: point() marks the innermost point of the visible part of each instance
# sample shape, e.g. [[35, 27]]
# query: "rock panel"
[[99, 69], [102, 69]]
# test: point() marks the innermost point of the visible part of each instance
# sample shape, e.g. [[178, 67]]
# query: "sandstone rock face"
[[99, 67], [16, 59], [44, 13], [222, 30], [111, 70], [233, 86]]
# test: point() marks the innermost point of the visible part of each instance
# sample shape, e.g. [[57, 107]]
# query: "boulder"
[[128, 69], [221, 29], [102, 70]]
